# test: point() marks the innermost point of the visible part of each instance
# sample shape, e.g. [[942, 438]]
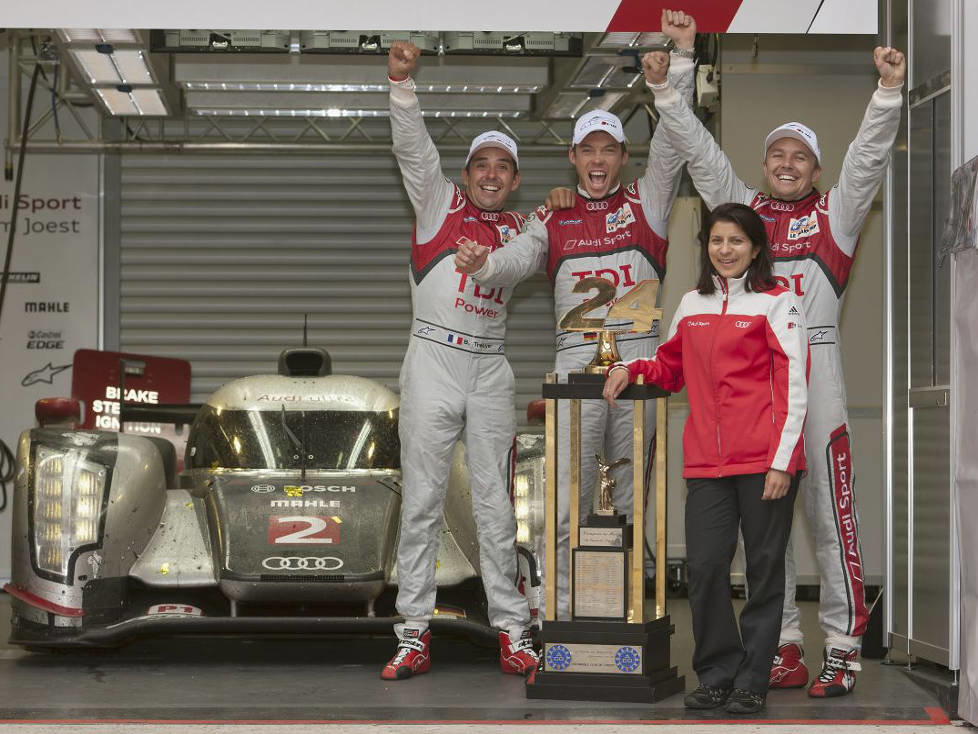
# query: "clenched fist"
[[655, 66], [891, 64], [402, 60], [470, 257], [680, 27]]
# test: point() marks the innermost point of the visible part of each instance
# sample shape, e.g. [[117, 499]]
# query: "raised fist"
[[680, 27], [891, 64], [402, 60], [655, 66]]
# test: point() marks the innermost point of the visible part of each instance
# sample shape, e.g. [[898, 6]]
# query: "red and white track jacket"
[[743, 357]]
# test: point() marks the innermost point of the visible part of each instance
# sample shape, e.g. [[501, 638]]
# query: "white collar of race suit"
[[582, 192], [732, 286]]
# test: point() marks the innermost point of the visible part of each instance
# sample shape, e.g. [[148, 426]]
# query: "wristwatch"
[[686, 53]]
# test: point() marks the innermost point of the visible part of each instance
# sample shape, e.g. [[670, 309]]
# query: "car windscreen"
[[292, 439]]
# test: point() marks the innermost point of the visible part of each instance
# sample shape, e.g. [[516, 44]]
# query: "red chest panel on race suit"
[[609, 238], [449, 305], [807, 259]]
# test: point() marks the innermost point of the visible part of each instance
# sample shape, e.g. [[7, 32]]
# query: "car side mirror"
[[58, 412], [536, 411]]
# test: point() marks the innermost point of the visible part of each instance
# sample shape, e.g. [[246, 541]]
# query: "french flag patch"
[[452, 339]]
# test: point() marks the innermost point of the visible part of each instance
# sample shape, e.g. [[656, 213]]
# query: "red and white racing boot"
[[788, 669], [838, 675], [516, 655], [412, 657]]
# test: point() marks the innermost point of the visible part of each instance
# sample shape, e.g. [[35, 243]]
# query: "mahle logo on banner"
[[712, 16], [52, 301]]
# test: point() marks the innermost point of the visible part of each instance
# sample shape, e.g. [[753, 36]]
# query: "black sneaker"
[[744, 702], [706, 697]]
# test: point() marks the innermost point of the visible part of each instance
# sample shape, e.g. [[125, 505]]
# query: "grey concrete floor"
[[278, 681]]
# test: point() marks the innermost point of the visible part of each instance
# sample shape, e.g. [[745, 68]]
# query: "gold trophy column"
[[661, 457], [550, 504]]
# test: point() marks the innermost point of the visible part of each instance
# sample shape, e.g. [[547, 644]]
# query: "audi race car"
[[283, 520]]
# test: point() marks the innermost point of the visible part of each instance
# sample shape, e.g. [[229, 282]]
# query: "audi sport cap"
[[596, 121], [493, 139], [797, 131]]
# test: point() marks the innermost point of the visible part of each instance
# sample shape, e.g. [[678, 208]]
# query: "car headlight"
[[528, 502], [65, 507]]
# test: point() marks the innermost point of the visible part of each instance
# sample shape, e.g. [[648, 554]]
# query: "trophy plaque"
[[613, 648]]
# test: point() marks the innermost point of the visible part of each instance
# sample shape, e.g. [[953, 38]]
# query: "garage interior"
[[246, 184]]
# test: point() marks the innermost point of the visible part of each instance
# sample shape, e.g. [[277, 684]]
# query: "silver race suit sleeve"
[[520, 258], [708, 166], [864, 166], [427, 187], [659, 185]]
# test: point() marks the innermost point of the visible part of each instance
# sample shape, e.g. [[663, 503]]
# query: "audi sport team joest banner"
[[721, 16]]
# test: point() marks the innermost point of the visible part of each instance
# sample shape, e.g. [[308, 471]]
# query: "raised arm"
[[659, 185], [869, 153], [427, 187], [708, 165], [506, 266]]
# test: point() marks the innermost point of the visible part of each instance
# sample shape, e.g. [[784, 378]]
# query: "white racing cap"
[[493, 139], [797, 131], [596, 121]]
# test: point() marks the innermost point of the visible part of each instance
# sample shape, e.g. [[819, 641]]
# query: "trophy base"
[[606, 661]]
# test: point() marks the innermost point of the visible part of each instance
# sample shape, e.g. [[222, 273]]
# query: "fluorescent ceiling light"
[[633, 40], [98, 35], [122, 66], [567, 105], [608, 100], [606, 72], [98, 67], [149, 102], [335, 112], [345, 87], [119, 35], [132, 66], [138, 102]]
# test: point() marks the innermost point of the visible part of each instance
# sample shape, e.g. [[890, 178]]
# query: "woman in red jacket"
[[738, 344]]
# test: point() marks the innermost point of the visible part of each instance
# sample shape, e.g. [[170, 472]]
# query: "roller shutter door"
[[222, 254]]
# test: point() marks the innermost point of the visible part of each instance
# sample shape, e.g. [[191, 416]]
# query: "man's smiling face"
[[790, 169]]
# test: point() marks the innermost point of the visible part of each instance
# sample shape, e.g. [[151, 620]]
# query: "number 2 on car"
[[303, 530]]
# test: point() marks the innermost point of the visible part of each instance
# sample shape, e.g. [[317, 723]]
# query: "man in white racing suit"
[[455, 379], [613, 231], [813, 238]]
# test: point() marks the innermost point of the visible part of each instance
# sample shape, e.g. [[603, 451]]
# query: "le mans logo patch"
[[506, 233], [803, 227], [619, 219]]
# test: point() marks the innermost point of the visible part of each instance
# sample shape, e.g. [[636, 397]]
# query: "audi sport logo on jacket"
[[743, 358]]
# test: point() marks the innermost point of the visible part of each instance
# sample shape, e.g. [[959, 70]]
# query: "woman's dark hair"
[[760, 274]]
